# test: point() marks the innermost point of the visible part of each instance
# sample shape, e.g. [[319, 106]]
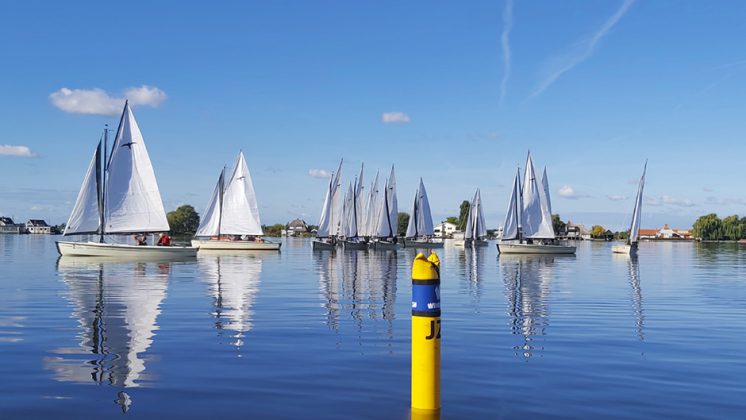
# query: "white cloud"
[[678, 202], [708, 189], [505, 41], [567, 191], [564, 63], [99, 102], [20, 151], [395, 117], [319, 173], [725, 201], [615, 197]]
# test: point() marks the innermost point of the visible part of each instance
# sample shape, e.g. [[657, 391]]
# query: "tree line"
[[711, 228]]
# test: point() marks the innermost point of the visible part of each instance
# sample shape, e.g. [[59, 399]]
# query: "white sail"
[[132, 201], [634, 232], [533, 224], [335, 228], [240, 210], [480, 231], [425, 218], [388, 212], [359, 200], [371, 209], [349, 224], [86, 215], [412, 225], [470, 222], [546, 205], [327, 226], [210, 223], [513, 213]]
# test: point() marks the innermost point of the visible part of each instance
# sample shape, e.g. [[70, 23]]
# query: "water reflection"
[[634, 282], [233, 281], [116, 305], [527, 285], [473, 259], [359, 283]]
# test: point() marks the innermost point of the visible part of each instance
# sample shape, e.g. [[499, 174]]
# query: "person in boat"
[[140, 239], [164, 239]]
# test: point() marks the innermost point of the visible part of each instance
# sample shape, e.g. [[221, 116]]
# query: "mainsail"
[[388, 213], [533, 223], [132, 202], [86, 215], [240, 215], [634, 231], [329, 222], [475, 228], [421, 220], [371, 210]]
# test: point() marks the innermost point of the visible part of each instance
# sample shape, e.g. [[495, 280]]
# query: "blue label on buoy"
[[426, 299]]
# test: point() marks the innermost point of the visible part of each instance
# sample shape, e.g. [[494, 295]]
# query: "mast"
[[221, 191], [101, 177], [519, 205]]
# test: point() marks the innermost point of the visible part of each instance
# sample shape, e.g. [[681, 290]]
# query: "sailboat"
[[475, 232], [387, 217], [528, 221], [119, 195], [233, 214], [326, 234], [630, 247], [420, 228], [352, 216]]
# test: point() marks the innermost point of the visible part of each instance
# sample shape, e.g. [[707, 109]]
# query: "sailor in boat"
[[164, 239], [140, 239]]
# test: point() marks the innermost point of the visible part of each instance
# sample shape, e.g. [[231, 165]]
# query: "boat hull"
[[324, 246], [95, 249], [408, 243], [624, 249], [384, 246], [505, 248], [469, 244], [235, 245], [355, 246]]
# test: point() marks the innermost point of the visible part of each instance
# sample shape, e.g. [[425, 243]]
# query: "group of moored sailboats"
[[358, 222], [120, 197]]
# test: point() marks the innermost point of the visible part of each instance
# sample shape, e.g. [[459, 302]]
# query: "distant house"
[[576, 231], [444, 230], [665, 233], [38, 226], [296, 227], [8, 226]]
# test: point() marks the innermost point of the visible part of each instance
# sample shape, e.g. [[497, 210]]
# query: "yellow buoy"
[[425, 335]]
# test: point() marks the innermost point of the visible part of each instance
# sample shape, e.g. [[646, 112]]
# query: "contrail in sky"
[[505, 40], [566, 63]]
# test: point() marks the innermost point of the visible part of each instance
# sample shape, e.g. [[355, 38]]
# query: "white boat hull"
[[95, 249], [624, 249], [235, 245], [355, 246], [469, 244], [507, 248], [384, 246], [324, 246]]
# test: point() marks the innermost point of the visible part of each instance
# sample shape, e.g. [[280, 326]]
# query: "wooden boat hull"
[[384, 246], [95, 249], [507, 248], [235, 245], [469, 244], [324, 246], [624, 249], [408, 243], [355, 246]]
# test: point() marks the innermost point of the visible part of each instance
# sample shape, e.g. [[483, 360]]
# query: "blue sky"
[[592, 88]]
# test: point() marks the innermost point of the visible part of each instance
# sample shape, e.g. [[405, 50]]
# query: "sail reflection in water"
[[634, 282], [233, 281], [359, 283], [473, 260], [527, 284], [116, 305]]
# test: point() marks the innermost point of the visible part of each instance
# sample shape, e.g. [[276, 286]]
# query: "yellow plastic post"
[[425, 335]]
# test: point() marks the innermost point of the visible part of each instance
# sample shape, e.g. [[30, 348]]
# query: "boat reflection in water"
[[472, 259], [233, 281], [116, 305], [359, 283], [527, 287]]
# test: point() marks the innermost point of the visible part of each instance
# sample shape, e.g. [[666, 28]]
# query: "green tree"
[[183, 220], [273, 230], [463, 214], [558, 224], [732, 228], [452, 219], [402, 222], [708, 228], [597, 231]]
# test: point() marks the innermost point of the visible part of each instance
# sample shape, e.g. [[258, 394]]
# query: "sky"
[[453, 92]]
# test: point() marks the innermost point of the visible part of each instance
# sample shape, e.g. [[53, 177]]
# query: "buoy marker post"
[[426, 336]]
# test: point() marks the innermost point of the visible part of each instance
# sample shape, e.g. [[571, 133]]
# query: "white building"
[[38, 226], [445, 230]]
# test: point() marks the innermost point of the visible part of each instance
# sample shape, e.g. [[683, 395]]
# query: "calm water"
[[319, 335]]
